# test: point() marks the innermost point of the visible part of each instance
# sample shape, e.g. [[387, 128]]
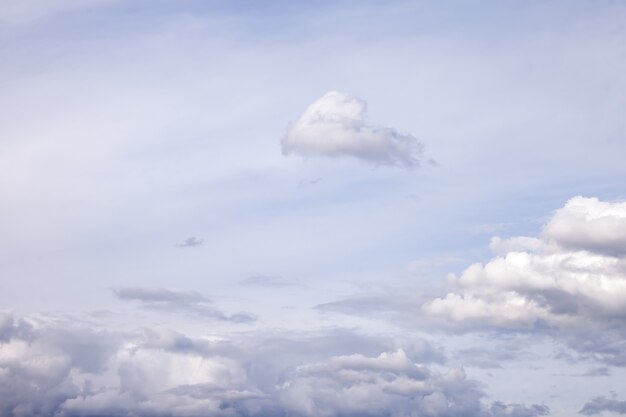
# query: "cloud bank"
[[570, 282], [54, 366], [335, 125]]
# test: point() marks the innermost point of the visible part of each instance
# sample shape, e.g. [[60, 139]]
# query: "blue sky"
[[275, 140]]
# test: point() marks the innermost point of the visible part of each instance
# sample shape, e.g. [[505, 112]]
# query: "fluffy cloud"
[[51, 366], [335, 125], [39, 359], [589, 224], [388, 384], [569, 282]]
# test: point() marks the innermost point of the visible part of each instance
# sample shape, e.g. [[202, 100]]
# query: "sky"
[[312, 209]]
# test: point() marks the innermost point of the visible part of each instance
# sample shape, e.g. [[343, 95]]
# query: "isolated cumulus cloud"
[[51, 366], [335, 125], [569, 282]]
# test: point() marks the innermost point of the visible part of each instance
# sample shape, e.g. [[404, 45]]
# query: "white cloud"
[[335, 125], [572, 280], [589, 224]]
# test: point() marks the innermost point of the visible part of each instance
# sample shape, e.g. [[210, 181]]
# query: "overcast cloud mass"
[[312, 209]]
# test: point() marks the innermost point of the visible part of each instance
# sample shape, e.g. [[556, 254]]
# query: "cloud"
[[570, 282], [190, 242], [160, 295], [601, 371], [306, 182], [589, 224], [544, 285], [335, 125], [193, 303], [388, 384], [38, 355], [51, 366], [601, 404], [499, 409], [392, 306], [494, 356]]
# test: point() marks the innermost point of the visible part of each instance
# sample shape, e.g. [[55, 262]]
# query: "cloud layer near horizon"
[[335, 125], [57, 366]]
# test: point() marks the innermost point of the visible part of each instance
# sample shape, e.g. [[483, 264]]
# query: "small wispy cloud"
[[494, 356], [187, 302], [602, 404], [191, 242], [601, 371], [307, 182]]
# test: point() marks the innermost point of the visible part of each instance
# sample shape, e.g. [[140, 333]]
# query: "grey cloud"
[[62, 368], [160, 295], [493, 357], [597, 344], [388, 384], [6, 325], [189, 302], [172, 341], [37, 359], [335, 125], [499, 409], [601, 404], [371, 304], [601, 371], [191, 242], [400, 308]]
